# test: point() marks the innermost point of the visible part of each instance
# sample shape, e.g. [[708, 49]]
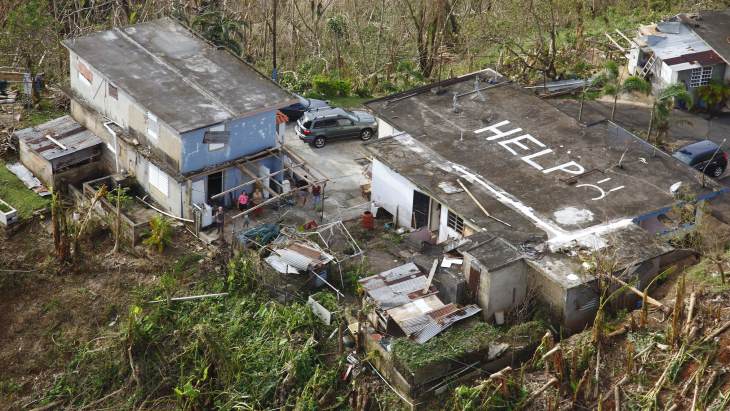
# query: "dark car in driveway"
[[704, 156], [322, 126], [297, 110]]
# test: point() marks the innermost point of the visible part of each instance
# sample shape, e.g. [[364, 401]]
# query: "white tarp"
[[322, 313], [28, 179]]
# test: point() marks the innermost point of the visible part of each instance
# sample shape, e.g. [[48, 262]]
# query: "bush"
[[329, 87], [160, 234]]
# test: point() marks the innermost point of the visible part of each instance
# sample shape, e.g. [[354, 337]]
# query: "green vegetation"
[[707, 273], [125, 200], [159, 235], [44, 111], [17, 195], [243, 351]]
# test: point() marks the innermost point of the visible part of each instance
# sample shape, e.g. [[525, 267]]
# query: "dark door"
[[421, 204], [215, 186]]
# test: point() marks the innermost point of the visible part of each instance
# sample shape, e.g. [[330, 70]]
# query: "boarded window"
[[157, 178], [700, 76], [153, 127], [455, 222], [216, 146], [85, 74], [113, 92]]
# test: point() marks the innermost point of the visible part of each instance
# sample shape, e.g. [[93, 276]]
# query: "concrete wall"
[[392, 192], [385, 129], [40, 167], [124, 111], [248, 135], [500, 289]]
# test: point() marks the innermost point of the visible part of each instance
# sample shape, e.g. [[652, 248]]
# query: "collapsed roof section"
[[403, 295], [527, 163], [178, 76]]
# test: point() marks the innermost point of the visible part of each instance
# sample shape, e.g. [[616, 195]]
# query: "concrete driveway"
[[343, 162]]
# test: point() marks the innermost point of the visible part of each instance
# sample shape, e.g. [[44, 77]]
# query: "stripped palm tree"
[[662, 109]]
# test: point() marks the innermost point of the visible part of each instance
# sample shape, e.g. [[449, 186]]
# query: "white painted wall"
[[392, 192], [385, 129], [633, 59]]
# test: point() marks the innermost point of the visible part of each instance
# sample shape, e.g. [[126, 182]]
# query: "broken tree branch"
[[717, 332], [192, 297], [638, 292], [539, 391], [480, 204]]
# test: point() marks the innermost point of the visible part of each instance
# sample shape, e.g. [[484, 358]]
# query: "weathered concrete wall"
[[550, 293], [40, 167], [248, 135], [392, 192], [507, 287], [123, 110]]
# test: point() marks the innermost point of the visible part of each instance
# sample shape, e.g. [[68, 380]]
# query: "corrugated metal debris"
[[399, 298]]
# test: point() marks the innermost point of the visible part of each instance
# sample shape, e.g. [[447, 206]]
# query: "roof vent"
[[455, 105], [477, 91]]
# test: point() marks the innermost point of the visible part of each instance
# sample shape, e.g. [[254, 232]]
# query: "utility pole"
[[274, 70]]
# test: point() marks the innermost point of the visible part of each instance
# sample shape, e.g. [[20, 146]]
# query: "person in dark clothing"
[[316, 195], [219, 219]]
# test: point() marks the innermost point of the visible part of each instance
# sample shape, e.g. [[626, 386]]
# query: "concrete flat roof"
[[185, 81], [714, 28], [64, 130], [527, 163]]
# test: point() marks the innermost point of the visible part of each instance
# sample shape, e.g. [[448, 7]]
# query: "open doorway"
[[421, 205], [215, 184]]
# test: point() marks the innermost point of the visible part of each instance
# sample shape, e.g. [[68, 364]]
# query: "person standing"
[[219, 219], [243, 201], [258, 198]]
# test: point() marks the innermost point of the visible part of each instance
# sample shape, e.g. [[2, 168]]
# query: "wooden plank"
[[480, 204], [248, 172], [615, 43], [269, 201]]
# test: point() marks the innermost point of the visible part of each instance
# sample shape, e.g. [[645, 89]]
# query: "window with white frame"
[[153, 127], [700, 76], [157, 178], [455, 222], [216, 146]]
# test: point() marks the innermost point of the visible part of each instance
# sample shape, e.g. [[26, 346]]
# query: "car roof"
[[324, 113], [699, 148]]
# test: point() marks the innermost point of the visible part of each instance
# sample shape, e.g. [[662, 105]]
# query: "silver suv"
[[321, 126]]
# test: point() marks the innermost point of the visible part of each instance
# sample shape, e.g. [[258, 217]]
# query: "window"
[[216, 146], [113, 92], [700, 76], [325, 123], [153, 128], [344, 122], [157, 178], [85, 74], [455, 222]]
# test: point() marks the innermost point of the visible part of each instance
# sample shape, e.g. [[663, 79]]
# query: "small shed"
[[60, 150]]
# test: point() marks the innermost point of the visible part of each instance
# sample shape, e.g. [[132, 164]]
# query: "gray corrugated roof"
[[436, 326], [182, 79], [65, 130]]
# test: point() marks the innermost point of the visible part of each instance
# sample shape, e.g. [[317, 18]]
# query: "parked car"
[[297, 110], [321, 126], [704, 156]]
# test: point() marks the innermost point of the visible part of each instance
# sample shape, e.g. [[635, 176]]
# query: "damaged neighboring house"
[[693, 49], [192, 123], [406, 304], [527, 195]]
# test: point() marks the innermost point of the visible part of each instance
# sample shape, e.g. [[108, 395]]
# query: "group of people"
[[247, 202]]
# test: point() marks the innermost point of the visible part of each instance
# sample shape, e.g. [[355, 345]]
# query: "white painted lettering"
[[528, 159], [576, 168], [496, 131], [516, 141]]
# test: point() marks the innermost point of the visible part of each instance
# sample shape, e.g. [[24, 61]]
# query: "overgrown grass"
[[17, 195], [45, 111], [243, 351], [350, 102], [706, 273]]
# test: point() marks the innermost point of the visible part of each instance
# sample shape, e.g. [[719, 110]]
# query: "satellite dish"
[[675, 187]]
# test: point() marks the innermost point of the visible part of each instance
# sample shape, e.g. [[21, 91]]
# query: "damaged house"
[[688, 48], [192, 123], [525, 193]]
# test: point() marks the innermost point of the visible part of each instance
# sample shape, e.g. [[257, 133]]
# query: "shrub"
[[329, 87], [160, 234]]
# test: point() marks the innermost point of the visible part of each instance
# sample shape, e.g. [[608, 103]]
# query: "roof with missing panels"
[[529, 164], [66, 137], [176, 75]]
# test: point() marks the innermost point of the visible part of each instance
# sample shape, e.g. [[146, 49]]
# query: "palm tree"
[[609, 80], [662, 109]]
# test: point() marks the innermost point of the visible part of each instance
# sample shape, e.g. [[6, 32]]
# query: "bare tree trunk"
[[721, 269], [274, 71]]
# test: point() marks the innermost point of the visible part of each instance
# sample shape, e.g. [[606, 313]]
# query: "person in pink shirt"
[[243, 201]]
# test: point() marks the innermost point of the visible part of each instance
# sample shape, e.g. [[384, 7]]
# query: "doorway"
[[215, 185], [421, 205]]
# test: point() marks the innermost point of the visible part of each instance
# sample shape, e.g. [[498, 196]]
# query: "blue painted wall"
[[248, 135], [233, 177]]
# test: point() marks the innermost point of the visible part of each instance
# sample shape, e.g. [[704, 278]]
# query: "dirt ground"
[[46, 312]]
